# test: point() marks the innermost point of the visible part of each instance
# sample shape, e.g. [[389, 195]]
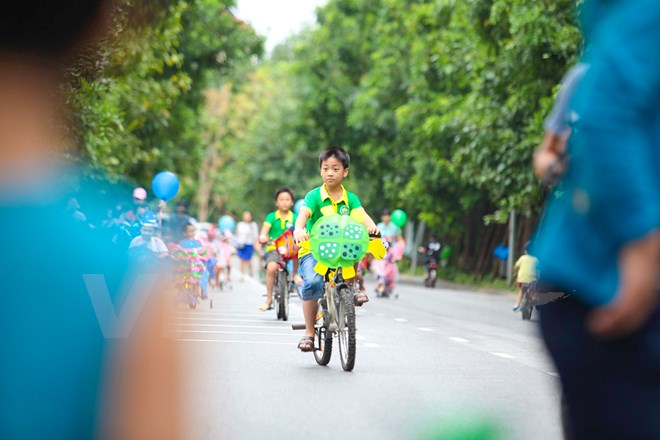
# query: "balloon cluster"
[[189, 264]]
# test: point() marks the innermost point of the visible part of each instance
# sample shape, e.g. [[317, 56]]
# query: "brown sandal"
[[306, 344]]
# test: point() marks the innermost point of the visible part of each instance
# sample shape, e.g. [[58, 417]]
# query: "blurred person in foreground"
[[598, 241], [83, 352]]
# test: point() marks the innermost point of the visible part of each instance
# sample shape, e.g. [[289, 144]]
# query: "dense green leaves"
[[142, 109], [440, 104]]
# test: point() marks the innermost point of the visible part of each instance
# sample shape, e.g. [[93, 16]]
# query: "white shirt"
[[246, 233], [155, 245]]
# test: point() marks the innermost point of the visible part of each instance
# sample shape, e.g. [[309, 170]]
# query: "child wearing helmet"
[[148, 235]]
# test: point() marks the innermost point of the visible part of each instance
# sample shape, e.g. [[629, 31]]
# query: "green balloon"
[[399, 217], [338, 241]]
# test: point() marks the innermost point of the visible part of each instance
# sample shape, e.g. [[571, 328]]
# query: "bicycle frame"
[[331, 300]]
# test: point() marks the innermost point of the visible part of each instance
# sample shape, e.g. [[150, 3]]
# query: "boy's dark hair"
[[46, 27], [338, 153], [284, 190]]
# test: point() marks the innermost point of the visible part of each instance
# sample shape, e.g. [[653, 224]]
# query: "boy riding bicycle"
[[328, 199], [274, 226]]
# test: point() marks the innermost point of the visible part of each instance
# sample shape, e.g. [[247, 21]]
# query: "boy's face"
[[284, 201], [385, 218], [148, 231], [333, 171], [190, 231]]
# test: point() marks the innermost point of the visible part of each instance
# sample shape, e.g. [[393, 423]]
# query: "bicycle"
[[288, 251], [527, 302], [189, 266], [336, 317]]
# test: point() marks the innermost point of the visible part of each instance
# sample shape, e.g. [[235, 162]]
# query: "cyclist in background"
[[526, 273], [274, 226]]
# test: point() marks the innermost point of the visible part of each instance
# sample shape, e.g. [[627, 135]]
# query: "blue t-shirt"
[[610, 195], [53, 347], [389, 231]]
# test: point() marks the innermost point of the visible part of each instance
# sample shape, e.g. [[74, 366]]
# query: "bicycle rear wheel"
[[322, 342], [346, 318], [526, 304]]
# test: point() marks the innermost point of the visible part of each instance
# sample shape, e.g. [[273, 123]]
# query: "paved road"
[[430, 358]]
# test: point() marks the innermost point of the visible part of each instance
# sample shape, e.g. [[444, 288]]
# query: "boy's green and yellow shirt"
[[278, 224], [319, 203]]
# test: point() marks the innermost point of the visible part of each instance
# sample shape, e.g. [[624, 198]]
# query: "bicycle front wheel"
[[282, 288], [322, 341], [346, 318]]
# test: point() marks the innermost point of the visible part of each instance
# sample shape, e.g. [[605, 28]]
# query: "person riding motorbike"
[[430, 259]]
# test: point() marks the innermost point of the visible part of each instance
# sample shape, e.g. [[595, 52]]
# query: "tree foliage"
[[140, 96], [439, 102]]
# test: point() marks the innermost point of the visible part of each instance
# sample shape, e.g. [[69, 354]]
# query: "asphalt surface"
[[431, 360]]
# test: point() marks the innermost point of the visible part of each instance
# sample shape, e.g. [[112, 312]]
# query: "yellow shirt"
[[526, 268]]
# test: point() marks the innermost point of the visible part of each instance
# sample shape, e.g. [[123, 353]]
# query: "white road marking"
[[425, 329], [222, 332], [234, 342], [214, 315], [264, 321], [370, 345], [232, 326], [359, 337], [503, 355], [380, 314], [462, 340], [400, 319]]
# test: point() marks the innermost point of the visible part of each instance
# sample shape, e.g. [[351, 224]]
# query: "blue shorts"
[[313, 283], [245, 253]]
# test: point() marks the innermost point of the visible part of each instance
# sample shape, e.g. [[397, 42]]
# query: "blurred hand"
[[373, 230], [550, 158], [300, 235], [637, 297]]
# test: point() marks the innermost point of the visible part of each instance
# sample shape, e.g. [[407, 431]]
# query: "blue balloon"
[[226, 223], [165, 185], [299, 204]]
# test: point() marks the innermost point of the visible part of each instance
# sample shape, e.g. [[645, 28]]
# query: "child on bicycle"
[[148, 236], [223, 248], [526, 273], [327, 199], [195, 247], [275, 224]]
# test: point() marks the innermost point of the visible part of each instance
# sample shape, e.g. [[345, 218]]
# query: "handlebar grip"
[[298, 326], [375, 236]]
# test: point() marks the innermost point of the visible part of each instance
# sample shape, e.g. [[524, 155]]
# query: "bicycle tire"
[[526, 305], [283, 296], [347, 342], [322, 343], [276, 296]]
